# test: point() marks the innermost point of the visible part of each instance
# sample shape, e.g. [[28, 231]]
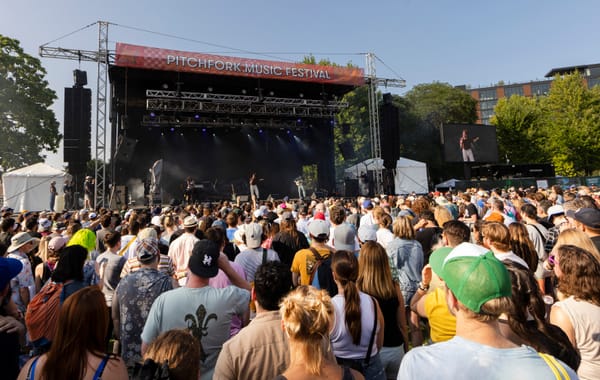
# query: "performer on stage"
[[300, 183], [466, 145], [52, 195], [88, 192], [255, 195], [190, 187], [68, 191]]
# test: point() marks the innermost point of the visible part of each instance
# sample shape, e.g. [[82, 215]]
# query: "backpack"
[[311, 267], [42, 313]]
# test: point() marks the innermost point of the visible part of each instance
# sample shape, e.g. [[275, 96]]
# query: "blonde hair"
[[403, 229], [307, 315], [498, 234], [442, 215], [573, 236], [374, 273], [43, 250], [176, 347]]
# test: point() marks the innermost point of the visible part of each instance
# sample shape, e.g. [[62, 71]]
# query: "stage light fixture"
[[301, 95], [152, 115], [271, 93], [203, 129], [288, 131], [299, 121], [165, 86], [214, 135], [172, 129], [260, 131], [210, 89], [196, 117], [244, 91], [162, 133]]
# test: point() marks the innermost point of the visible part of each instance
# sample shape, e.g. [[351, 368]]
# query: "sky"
[[461, 42]]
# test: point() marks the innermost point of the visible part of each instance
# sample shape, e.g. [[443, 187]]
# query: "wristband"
[[423, 287]]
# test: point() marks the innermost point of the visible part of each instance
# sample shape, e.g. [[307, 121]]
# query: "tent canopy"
[[28, 188], [447, 184], [409, 175]]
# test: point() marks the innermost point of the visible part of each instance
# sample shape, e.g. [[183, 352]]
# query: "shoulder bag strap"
[[31, 372], [264, 259], [539, 232], [316, 253], [372, 339], [124, 249], [100, 370], [557, 369]]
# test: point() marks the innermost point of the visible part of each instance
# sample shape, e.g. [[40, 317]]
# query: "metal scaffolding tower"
[[102, 57], [373, 83]]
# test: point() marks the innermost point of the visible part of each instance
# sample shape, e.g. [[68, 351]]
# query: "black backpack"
[[150, 370]]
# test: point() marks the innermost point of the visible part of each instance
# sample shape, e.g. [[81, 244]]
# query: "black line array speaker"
[[77, 124], [389, 132], [347, 150], [126, 149]]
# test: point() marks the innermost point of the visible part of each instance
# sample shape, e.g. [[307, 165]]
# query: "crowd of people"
[[501, 283]]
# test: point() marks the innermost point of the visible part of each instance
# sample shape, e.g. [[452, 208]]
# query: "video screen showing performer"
[[470, 143]]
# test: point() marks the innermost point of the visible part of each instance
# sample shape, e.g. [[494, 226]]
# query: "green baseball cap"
[[475, 276], [436, 260]]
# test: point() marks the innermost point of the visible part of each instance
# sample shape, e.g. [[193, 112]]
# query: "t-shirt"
[[442, 323], [304, 262], [460, 358], [206, 312], [23, 280], [134, 295], [251, 259], [110, 265]]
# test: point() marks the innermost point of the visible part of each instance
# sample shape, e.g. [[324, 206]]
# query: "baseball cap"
[[344, 237], [9, 268], [318, 228], [555, 210], [367, 203], [57, 243], [475, 277], [588, 216], [436, 260], [45, 224], [190, 221], [155, 221], [253, 233], [319, 216], [6, 209], [204, 261], [367, 233], [147, 249]]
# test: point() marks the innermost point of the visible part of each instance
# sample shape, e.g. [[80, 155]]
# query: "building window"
[[487, 104], [488, 94], [593, 82], [540, 89], [514, 90]]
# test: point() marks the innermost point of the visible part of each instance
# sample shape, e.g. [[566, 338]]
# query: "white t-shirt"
[[463, 359]]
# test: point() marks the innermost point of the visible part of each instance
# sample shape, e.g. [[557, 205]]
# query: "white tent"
[[410, 176], [450, 183], [28, 188], [355, 171]]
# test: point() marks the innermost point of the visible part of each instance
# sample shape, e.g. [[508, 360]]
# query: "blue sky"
[[476, 43]]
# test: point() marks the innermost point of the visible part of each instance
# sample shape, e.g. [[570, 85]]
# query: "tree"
[[571, 125], [440, 103], [27, 124], [517, 120], [431, 106]]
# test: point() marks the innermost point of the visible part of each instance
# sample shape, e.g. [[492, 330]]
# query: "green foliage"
[[440, 103], [571, 125], [517, 120], [27, 124]]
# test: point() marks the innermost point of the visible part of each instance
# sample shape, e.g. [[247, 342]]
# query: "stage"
[[219, 119]]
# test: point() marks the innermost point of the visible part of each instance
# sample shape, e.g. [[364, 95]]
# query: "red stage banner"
[[144, 57]]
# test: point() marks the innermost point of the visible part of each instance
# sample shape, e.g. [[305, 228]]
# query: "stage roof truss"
[[209, 103], [174, 121]]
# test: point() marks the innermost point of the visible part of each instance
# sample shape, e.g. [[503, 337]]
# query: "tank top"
[[585, 318], [392, 336]]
